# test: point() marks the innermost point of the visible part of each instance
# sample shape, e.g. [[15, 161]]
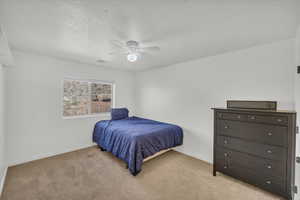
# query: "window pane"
[[76, 98], [75, 88], [86, 97], [101, 96]]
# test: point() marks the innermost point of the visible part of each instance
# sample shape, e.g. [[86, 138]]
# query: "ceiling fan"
[[132, 49]]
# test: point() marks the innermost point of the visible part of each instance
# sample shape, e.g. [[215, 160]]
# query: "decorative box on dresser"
[[256, 146]]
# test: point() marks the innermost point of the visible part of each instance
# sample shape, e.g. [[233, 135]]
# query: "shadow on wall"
[[197, 144]]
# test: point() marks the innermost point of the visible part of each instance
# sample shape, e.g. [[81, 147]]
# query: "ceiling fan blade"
[[118, 53], [153, 48], [118, 44], [145, 53]]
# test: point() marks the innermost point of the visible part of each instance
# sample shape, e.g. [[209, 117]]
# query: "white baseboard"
[[2, 181], [192, 155], [46, 155]]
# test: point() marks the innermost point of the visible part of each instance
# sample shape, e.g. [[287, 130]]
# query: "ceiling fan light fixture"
[[132, 57], [132, 50]]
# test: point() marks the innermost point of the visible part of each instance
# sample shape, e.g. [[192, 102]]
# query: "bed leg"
[[102, 149], [135, 174], [127, 166]]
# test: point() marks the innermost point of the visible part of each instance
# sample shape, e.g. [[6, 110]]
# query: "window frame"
[[90, 115]]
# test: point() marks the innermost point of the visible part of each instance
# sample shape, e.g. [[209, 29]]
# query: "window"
[[83, 97]]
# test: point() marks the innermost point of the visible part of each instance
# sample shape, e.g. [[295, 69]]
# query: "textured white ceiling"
[[81, 30]]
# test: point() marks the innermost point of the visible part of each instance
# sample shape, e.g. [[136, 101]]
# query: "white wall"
[[34, 90], [184, 93], [2, 123]]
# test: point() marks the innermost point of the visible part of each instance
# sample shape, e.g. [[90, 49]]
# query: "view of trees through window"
[[86, 97]]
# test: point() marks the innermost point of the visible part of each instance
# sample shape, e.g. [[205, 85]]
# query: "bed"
[[135, 139]]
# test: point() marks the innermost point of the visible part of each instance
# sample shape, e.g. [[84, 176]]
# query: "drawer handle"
[[252, 117], [226, 127], [225, 167], [269, 182], [239, 116], [279, 120], [269, 151], [225, 142], [269, 166], [225, 154], [270, 134]]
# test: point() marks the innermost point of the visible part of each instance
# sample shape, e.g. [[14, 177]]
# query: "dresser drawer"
[[279, 120], [272, 168], [261, 150], [269, 119], [221, 159], [266, 182], [263, 133], [233, 116]]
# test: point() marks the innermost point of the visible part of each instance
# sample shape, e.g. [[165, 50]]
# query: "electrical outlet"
[[298, 69]]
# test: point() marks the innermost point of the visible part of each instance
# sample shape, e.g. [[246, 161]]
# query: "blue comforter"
[[133, 139]]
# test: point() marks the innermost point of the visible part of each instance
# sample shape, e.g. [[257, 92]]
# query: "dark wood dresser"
[[257, 147]]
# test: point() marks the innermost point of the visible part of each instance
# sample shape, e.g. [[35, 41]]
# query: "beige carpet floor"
[[90, 174]]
